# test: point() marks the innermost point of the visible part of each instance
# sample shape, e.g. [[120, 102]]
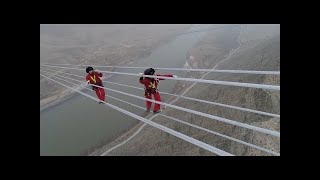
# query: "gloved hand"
[[141, 76], [174, 76]]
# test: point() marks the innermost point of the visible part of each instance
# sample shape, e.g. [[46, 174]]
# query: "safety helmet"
[[149, 71], [89, 69]]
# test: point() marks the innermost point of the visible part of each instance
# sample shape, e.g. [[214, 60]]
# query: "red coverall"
[[94, 79], [151, 89]]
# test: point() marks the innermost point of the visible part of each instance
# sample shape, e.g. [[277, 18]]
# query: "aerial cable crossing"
[[158, 126], [185, 97], [274, 133], [227, 137]]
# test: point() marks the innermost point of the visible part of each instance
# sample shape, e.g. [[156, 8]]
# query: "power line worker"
[[151, 88], [93, 77]]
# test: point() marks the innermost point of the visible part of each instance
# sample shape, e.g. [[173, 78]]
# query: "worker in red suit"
[[151, 85], [93, 77]]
